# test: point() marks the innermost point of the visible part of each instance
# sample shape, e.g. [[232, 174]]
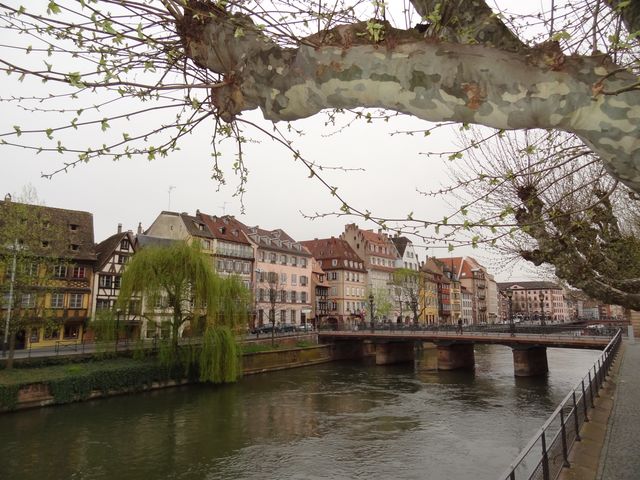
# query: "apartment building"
[[346, 278]]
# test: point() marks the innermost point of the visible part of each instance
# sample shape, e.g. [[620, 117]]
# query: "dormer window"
[[45, 244], [201, 227], [74, 247], [73, 227]]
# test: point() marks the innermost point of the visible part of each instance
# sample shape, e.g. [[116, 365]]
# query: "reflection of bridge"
[[450, 351]]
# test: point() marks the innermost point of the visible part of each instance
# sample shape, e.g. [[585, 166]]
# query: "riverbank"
[[23, 388]]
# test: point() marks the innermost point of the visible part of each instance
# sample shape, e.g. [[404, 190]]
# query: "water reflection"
[[335, 421]]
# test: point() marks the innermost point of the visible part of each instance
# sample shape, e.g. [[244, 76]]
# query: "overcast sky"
[[278, 193]]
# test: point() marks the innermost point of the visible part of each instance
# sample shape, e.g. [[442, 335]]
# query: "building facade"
[[346, 279]]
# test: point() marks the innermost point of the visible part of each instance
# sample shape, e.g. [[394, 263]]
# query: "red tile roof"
[[327, 249]]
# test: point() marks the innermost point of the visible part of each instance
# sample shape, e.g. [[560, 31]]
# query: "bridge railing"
[[548, 451]]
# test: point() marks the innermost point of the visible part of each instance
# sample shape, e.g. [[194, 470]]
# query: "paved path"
[[610, 446], [620, 459]]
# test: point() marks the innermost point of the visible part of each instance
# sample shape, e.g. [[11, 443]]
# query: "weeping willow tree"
[[179, 287]]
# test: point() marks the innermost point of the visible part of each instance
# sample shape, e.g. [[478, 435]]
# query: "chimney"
[[379, 231], [119, 228], [139, 228], [7, 197]]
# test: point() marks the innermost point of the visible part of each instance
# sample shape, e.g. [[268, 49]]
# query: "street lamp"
[[414, 309], [542, 309], [512, 326], [371, 309]]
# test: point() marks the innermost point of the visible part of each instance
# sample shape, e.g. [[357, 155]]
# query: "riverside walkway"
[[610, 446]]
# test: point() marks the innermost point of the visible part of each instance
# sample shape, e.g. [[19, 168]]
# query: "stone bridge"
[[450, 350]]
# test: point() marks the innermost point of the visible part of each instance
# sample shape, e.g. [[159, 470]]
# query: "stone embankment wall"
[[39, 394]]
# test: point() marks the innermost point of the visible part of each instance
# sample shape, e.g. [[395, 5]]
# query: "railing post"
[[591, 390], [545, 458], [512, 475], [565, 453], [575, 416], [584, 402], [595, 378]]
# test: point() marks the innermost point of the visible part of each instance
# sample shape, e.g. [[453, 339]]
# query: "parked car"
[[305, 327], [288, 327]]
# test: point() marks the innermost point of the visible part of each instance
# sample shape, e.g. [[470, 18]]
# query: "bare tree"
[[550, 201]]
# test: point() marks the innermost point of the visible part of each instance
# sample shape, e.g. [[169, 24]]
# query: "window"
[[34, 335], [304, 280], [294, 296], [117, 280], [220, 265], [283, 316], [28, 300], [333, 275], [103, 304], [293, 316], [228, 265], [57, 300], [206, 244], [104, 281], [283, 259], [246, 267], [51, 332], [272, 257], [237, 266], [74, 247], [29, 269], [73, 227], [124, 244], [283, 296], [303, 262], [334, 291], [334, 262], [294, 260], [283, 278], [294, 279], [303, 297], [71, 331], [261, 256], [76, 300], [78, 272]]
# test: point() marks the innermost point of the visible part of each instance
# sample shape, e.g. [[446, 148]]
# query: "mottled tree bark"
[[512, 87]]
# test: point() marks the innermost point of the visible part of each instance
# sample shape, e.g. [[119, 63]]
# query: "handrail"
[[562, 428]]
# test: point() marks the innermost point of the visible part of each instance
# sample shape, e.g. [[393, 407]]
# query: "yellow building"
[[47, 266]]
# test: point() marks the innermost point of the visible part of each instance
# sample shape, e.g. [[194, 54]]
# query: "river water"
[[331, 421]]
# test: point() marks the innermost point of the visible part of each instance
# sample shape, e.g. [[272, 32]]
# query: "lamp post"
[[117, 327], [371, 310], [5, 342], [512, 326], [414, 309], [542, 309], [255, 315]]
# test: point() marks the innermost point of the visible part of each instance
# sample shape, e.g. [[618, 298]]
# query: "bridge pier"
[[426, 356], [454, 356], [394, 352], [530, 361]]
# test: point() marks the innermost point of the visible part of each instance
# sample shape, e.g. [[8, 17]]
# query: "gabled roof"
[[401, 244], [463, 267], [224, 228], [196, 227], [67, 233], [335, 249], [380, 239], [105, 249]]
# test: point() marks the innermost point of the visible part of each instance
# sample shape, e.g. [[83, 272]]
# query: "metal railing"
[[548, 451]]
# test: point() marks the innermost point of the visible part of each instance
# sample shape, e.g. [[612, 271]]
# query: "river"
[[331, 421]]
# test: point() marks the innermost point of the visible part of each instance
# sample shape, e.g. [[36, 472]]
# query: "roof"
[[105, 248], [434, 266], [275, 240], [224, 228], [335, 249], [463, 267], [149, 241], [529, 285], [51, 231], [401, 244]]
